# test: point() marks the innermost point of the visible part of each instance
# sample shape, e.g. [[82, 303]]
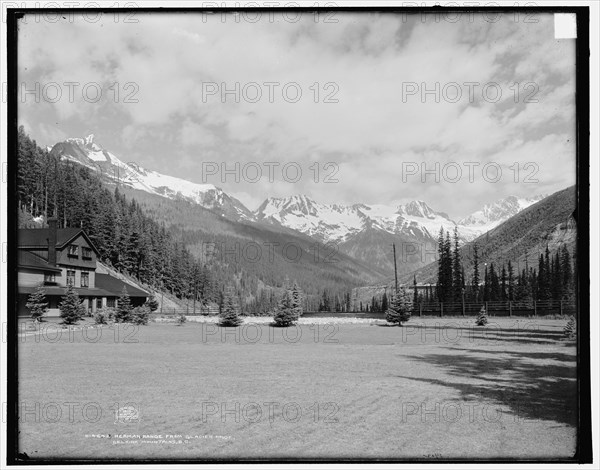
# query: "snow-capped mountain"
[[493, 214], [362, 231], [338, 223], [88, 153]]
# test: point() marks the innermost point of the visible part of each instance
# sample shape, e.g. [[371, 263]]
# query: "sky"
[[377, 108]]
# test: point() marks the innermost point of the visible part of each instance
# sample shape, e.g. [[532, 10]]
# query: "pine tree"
[[400, 307], [510, 281], [567, 273], [152, 303], [230, 312], [297, 300], [494, 291], [415, 293], [71, 308], [37, 304], [482, 318], [124, 308], [285, 315], [384, 302], [503, 284], [570, 329], [457, 271], [476, 279]]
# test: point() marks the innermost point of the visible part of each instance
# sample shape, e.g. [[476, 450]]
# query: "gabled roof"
[[114, 285], [38, 237], [27, 259]]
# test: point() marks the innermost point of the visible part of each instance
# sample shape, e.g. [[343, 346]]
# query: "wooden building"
[[56, 258]]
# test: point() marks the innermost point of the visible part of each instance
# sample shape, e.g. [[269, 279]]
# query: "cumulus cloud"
[[369, 93]]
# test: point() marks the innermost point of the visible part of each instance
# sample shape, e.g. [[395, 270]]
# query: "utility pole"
[[395, 268]]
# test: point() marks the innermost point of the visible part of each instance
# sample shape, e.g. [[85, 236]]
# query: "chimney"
[[52, 240]]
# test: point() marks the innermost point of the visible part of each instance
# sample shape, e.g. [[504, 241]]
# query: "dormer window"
[[73, 251], [86, 253]]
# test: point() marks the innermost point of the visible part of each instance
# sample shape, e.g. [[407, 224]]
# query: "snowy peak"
[[415, 219], [112, 169], [419, 209], [499, 211]]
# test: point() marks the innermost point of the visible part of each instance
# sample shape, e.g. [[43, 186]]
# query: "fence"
[[494, 309], [497, 308]]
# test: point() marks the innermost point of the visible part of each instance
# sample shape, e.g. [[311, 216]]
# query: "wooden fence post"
[[535, 308], [509, 308], [421, 309], [441, 309], [560, 306], [463, 306]]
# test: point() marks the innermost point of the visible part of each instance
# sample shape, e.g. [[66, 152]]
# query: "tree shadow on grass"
[[531, 390], [489, 333]]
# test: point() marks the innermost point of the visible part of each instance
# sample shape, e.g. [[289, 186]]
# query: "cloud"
[[375, 90]]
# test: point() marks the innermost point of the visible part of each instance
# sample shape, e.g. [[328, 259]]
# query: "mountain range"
[[361, 231]]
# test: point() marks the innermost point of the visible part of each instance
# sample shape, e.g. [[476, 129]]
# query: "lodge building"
[[56, 258]]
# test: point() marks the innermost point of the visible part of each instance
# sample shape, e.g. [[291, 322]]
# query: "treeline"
[[552, 279]]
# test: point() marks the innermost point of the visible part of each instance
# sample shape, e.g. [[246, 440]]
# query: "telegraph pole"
[[395, 268]]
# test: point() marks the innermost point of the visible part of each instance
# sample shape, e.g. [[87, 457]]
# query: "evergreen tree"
[[494, 292], [37, 304], [567, 273], [400, 307], [152, 303], [510, 281], [285, 315], [384, 302], [230, 311], [476, 279], [457, 270], [415, 293], [570, 329], [71, 308], [124, 308], [482, 318], [503, 284], [297, 300], [486, 284]]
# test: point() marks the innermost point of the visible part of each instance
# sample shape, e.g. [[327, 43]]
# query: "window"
[[70, 277], [73, 251], [49, 278], [110, 301], [85, 279], [86, 253]]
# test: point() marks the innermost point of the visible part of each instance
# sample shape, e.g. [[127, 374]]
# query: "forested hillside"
[[522, 238]]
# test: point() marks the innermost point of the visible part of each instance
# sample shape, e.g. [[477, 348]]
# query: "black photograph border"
[[581, 215]]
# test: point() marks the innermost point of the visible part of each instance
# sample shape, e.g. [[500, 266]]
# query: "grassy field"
[[434, 389]]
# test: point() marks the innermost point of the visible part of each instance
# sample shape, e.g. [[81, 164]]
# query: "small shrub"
[[482, 318], [104, 315], [181, 319], [100, 318], [570, 329], [140, 315]]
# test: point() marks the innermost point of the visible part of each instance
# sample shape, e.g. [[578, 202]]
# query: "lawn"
[[434, 389]]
